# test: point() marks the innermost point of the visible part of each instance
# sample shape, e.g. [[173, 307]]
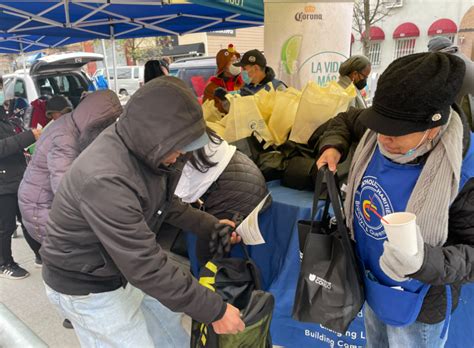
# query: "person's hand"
[[329, 157], [231, 323], [397, 263], [234, 237], [227, 222], [37, 132]]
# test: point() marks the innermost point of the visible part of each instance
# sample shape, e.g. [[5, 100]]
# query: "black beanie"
[[415, 94], [58, 103]]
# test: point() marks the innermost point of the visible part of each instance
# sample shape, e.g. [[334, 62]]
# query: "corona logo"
[[309, 14]]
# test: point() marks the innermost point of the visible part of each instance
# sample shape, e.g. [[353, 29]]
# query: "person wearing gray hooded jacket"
[[54, 154], [100, 257]]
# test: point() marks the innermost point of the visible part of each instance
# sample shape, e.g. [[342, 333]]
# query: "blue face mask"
[[246, 77]]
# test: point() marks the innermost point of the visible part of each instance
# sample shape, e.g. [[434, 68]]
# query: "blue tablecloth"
[[279, 263]]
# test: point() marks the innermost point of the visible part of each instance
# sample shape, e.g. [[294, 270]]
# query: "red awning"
[[443, 26], [352, 38], [376, 33], [406, 30]]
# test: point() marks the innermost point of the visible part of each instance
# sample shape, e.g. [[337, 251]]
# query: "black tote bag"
[[330, 290]]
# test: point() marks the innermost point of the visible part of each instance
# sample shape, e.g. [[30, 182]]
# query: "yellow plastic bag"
[[244, 119], [265, 102], [210, 112], [284, 114], [317, 105]]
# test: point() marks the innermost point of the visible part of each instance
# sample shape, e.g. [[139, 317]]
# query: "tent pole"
[[23, 58], [114, 58], [106, 64]]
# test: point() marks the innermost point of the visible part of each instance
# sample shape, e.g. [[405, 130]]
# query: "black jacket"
[[451, 264], [117, 192], [12, 159], [238, 190]]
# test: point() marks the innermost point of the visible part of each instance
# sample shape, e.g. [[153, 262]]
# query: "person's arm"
[[187, 218], [16, 143], [209, 92], [453, 263], [333, 139], [63, 152], [110, 206], [341, 132]]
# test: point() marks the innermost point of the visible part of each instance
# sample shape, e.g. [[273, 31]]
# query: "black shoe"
[[67, 324], [13, 271]]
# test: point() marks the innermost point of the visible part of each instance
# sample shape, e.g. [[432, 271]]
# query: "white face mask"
[[234, 70], [422, 148]]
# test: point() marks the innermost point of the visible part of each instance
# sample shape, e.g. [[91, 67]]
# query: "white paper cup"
[[401, 231]]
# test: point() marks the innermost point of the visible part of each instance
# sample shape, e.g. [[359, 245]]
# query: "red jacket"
[[39, 113], [229, 84]]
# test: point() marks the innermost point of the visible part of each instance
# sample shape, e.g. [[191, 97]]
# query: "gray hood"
[[161, 117], [96, 106]]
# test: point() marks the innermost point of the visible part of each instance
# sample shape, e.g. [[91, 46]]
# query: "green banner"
[[246, 7]]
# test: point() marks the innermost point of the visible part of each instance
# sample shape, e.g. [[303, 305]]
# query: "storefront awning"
[[376, 34], [407, 29], [442, 26]]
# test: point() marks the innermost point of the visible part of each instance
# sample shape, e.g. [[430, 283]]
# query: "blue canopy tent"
[[247, 7], [47, 22], [31, 25]]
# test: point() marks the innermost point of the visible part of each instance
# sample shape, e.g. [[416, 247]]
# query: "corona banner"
[[307, 40]]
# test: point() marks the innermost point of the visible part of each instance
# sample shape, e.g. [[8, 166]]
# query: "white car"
[[59, 74], [130, 78]]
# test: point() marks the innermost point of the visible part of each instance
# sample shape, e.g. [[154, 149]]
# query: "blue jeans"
[[120, 318], [416, 335]]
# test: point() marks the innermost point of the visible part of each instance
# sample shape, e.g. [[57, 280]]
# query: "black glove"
[[219, 245], [220, 93]]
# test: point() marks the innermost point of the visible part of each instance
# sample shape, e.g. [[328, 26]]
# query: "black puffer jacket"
[[12, 159], [451, 264], [239, 189]]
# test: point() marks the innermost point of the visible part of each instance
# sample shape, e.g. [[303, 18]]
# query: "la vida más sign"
[[322, 67]]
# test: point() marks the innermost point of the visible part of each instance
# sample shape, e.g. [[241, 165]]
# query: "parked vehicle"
[[130, 78], [195, 72], [58, 74]]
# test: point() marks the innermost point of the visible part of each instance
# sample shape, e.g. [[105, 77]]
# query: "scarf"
[[435, 189]]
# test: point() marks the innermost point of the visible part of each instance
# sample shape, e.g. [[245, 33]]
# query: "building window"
[[451, 37], [374, 53], [393, 3], [404, 47]]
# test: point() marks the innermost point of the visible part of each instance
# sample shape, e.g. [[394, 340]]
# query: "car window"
[[136, 73], [197, 78], [20, 89], [174, 72], [69, 85], [123, 73], [8, 88]]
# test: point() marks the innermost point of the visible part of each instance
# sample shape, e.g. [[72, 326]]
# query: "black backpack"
[[238, 282]]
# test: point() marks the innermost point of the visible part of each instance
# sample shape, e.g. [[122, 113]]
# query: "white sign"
[[249, 229], [307, 40]]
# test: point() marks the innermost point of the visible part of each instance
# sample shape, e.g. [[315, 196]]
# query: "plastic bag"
[[210, 112], [244, 119], [317, 105], [284, 114]]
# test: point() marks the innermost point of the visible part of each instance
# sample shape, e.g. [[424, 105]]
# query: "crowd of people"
[[104, 180]]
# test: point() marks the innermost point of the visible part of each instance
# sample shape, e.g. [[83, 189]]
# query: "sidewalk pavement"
[[26, 298]]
